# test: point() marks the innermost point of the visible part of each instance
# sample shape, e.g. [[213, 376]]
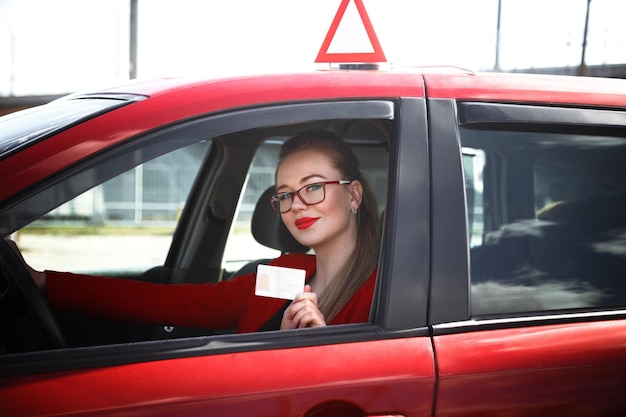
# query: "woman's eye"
[[284, 196], [313, 187]]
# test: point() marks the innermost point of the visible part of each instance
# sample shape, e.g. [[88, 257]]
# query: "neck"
[[330, 258]]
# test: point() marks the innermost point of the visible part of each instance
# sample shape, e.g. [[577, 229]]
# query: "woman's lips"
[[305, 222]]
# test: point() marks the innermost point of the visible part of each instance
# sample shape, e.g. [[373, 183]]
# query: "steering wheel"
[[19, 294]]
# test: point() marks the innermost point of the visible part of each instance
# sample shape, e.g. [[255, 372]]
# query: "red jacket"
[[226, 305]]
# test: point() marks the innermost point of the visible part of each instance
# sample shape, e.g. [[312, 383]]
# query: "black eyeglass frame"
[[276, 198]]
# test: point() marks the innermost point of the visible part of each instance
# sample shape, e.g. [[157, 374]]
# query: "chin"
[[309, 241]]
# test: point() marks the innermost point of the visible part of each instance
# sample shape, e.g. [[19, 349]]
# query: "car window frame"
[[451, 280], [134, 151]]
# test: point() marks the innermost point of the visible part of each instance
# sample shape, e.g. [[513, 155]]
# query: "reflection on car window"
[[121, 227], [547, 219]]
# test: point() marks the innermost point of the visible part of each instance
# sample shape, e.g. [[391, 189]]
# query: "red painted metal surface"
[[389, 376], [527, 88], [566, 369], [175, 100]]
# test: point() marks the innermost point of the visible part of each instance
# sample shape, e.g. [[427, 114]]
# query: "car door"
[[530, 317], [382, 367]]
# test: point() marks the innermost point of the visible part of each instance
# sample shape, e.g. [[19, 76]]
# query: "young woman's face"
[[332, 219]]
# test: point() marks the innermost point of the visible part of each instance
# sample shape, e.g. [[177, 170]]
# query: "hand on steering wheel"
[[19, 293]]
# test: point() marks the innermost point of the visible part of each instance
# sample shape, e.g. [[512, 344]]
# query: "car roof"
[[441, 82], [172, 100], [528, 88]]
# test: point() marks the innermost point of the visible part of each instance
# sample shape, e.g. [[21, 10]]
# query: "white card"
[[279, 282]]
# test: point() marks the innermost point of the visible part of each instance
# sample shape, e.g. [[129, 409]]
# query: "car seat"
[[268, 229]]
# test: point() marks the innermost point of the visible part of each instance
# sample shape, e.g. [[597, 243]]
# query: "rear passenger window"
[[546, 221]]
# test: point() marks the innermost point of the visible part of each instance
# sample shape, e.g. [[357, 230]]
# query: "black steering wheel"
[[19, 298]]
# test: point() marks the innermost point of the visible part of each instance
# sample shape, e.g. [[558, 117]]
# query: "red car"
[[501, 283]]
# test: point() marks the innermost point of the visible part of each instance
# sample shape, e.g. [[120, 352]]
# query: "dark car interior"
[[551, 222]]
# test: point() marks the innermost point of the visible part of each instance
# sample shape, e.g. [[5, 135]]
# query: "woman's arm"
[[38, 276]]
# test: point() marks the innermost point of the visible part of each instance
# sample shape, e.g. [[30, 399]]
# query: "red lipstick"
[[305, 222]]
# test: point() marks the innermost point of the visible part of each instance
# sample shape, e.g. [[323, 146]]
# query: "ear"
[[356, 192]]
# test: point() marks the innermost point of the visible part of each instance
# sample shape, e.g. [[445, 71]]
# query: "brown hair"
[[361, 263]]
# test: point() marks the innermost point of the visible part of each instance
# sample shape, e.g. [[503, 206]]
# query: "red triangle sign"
[[351, 37]]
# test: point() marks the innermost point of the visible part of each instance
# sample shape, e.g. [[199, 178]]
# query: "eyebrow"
[[304, 180]]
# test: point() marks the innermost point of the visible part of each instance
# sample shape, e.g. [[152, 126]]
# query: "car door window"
[[121, 227], [546, 220]]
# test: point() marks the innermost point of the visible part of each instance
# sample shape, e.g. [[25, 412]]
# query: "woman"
[[326, 204]]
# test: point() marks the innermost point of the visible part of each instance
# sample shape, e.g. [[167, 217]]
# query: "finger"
[[287, 321], [308, 315], [309, 319], [302, 312], [306, 296], [290, 312], [289, 316]]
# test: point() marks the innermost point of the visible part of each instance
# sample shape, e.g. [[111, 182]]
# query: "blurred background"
[[53, 47]]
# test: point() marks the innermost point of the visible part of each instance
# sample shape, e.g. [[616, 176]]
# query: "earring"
[[354, 210]]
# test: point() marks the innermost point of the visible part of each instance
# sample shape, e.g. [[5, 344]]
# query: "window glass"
[[241, 247], [121, 227], [547, 221], [473, 163]]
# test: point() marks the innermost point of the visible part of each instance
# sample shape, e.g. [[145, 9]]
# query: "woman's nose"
[[297, 203]]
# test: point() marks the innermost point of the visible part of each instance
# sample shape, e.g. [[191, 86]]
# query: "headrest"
[[268, 228]]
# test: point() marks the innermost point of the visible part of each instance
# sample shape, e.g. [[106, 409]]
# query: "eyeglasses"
[[309, 194]]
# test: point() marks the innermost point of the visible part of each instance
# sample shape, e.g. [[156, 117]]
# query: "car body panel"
[[533, 370], [289, 383], [525, 88]]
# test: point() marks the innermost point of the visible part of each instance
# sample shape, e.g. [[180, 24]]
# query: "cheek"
[[336, 211], [288, 219], [285, 218], [337, 202]]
